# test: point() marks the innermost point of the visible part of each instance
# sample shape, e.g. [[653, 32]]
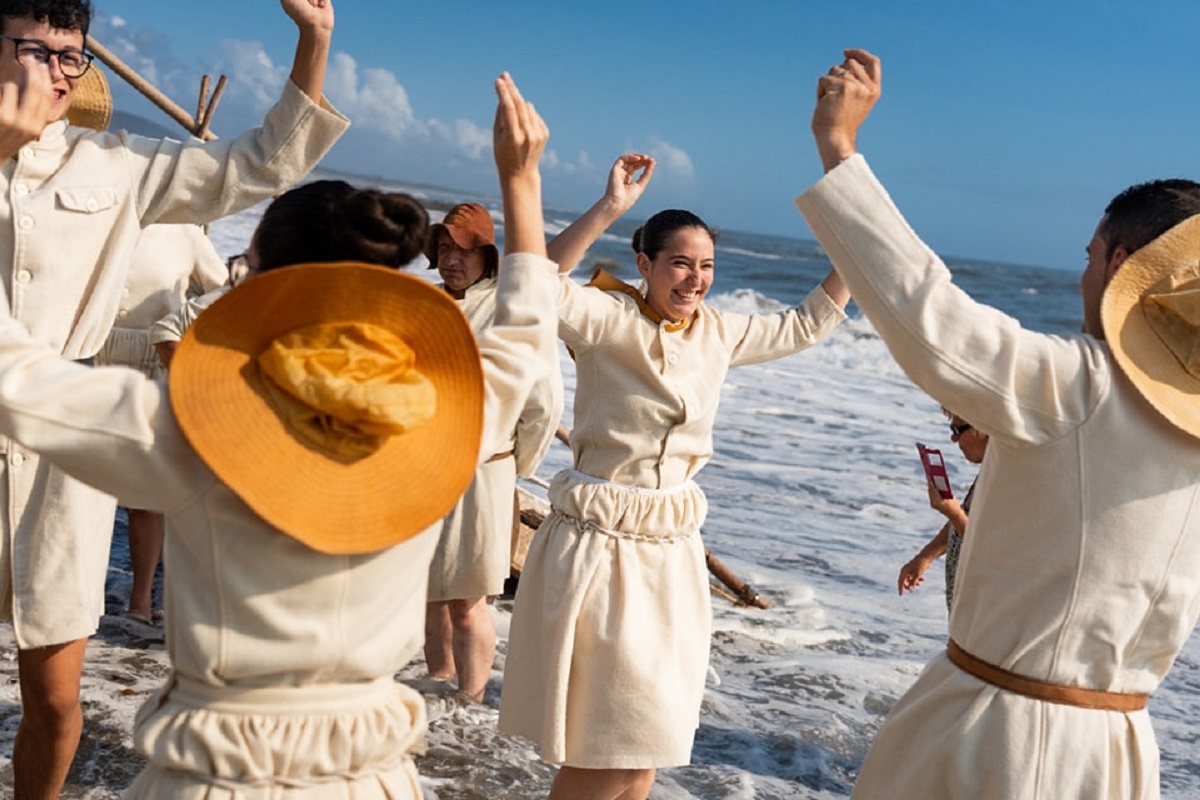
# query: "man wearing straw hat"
[[74, 203], [1080, 581]]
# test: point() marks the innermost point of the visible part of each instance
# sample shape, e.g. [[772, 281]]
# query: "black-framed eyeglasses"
[[959, 430], [72, 61]]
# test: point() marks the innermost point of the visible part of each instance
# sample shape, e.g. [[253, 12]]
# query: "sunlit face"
[[53, 38], [1095, 278], [971, 441], [680, 275], [459, 267]]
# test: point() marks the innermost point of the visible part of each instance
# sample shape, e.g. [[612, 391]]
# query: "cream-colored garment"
[[645, 402], [473, 552], [281, 654], [171, 327], [1083, 563], [75, 203], [170, 264]]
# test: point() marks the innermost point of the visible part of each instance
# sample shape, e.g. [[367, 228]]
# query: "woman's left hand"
[[519, 134], [625, 184]]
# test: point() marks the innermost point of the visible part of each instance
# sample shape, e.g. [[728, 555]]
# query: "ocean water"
[[816, 498]]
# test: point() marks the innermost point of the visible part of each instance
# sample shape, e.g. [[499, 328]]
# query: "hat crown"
[[1151, 317]]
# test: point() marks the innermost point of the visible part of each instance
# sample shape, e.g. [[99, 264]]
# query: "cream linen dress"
[[473, 557], [1083, 563], [283, 657], [170, 264], [608, 649], [74, 205]]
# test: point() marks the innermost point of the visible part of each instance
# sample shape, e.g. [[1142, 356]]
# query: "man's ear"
[[1118, 258]]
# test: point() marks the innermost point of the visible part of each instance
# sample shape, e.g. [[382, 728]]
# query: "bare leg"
[[474, 644], [439, 633], [573, 783], [52, 718], [145, 548]]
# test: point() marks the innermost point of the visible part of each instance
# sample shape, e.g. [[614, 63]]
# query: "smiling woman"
[[608, 647]]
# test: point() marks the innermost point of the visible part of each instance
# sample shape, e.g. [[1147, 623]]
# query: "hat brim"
[[330, 505], [91, 102], [1148, 363]]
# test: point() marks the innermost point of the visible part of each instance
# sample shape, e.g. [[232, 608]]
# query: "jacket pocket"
[[87, 200]]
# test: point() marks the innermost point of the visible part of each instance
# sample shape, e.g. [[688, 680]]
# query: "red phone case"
[[935, 469]]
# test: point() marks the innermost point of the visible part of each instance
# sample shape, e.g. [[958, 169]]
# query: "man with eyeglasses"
[[72, 205]]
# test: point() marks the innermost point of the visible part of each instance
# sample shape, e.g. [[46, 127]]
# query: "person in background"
[[75, 204], [170, 264], [298, 591], [1078, 584], [608, 648], [972, 443], [473, 554]]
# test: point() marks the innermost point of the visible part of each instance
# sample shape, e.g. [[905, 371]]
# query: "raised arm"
[[845, 97], [627, 180], [314, 18]]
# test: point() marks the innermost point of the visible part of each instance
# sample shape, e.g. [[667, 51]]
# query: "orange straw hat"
[[470, 226], [342, 402], [1151, 318], [91, 103]]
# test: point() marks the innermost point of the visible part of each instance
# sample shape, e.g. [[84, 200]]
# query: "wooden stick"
[[130, 76], [200, 104], [211, 108], [563, 435], [744, 591], [720, 591]]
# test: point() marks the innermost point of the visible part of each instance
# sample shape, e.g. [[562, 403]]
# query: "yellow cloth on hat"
[[346, 387]]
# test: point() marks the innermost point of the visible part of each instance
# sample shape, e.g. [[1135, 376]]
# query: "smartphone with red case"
[[935, 469]]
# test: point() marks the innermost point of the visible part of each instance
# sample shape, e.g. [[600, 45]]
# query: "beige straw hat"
[[342, 402], [91, 103], [1151, 318]]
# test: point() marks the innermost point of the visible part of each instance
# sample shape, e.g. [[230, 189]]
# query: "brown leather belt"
[[500, 456], [1041, 690]]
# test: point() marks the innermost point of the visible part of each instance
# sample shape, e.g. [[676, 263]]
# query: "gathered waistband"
[[318, 698], [1043, 690]]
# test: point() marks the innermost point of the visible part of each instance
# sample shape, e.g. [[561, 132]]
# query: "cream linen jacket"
[[543, 410], [170, 264], [651, 396], [75, 202], [247, 605], [1082, 566]]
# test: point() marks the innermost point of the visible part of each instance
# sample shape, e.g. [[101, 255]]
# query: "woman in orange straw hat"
[[320, 420]]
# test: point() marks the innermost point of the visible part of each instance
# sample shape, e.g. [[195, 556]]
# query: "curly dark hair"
[[333, 221], [65, 15]]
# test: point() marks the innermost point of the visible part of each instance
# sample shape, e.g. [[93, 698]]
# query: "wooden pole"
[[211, 108], [130, 76], [744, 591]]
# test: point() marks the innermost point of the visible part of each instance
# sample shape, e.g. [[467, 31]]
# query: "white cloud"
[[672, 160]]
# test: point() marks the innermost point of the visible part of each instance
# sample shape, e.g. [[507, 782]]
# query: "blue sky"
[[1003, 130]]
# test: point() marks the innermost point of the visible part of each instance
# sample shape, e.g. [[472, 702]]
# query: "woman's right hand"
[[625, 186]]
